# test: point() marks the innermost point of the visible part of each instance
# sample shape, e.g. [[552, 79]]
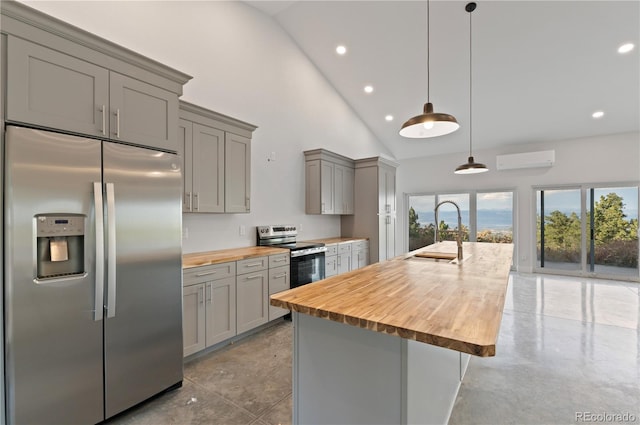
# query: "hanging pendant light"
[[470, 167], [429, 123]]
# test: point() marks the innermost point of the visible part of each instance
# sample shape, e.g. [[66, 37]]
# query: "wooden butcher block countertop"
[[197, 259], [455, 306], [328, 241]]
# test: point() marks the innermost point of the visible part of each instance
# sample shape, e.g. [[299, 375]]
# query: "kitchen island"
[[390, 343]]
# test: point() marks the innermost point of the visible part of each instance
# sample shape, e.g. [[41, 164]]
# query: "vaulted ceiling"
[[540, 68]]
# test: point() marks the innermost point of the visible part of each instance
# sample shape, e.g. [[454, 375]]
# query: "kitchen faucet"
[[459, 239]]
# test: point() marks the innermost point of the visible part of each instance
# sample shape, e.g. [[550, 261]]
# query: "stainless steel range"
[[307, 258]]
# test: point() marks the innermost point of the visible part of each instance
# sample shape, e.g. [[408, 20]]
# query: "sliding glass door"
[[559, 229], [613, 230], [588, 229]]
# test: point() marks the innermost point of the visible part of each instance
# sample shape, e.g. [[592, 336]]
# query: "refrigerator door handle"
[[99, 296], [111, 254]]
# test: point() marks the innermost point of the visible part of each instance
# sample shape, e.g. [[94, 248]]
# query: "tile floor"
[[568, 348]]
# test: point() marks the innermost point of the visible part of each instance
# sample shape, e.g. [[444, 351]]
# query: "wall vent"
[[525, 160]]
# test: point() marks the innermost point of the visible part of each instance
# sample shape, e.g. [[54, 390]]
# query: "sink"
[[436, 257]]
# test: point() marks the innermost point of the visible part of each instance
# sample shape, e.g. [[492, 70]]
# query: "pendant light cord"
[[428, 52], [470, 86]]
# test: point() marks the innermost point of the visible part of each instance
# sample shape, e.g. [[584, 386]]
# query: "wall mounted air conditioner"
[[525, 160]]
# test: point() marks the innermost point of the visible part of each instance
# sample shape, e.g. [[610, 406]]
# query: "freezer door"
[[143, 326], [53, 341]]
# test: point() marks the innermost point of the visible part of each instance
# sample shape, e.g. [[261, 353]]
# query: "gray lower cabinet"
[[223, 300], [360, 254], [193, 319], [56, 90], [279, 280], [331, 260], [216, 154], [209, 306], [220, 307], [344, 257], [252, 284]]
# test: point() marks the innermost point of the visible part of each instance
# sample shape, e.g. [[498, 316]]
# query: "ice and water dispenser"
[[60, 245]]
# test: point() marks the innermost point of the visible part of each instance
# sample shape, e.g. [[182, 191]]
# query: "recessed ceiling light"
[[341, 50], [389, 118], [626, 48], [368, 89], [597, 114]]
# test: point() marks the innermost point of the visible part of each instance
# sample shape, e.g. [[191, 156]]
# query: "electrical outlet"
[[242, 230]]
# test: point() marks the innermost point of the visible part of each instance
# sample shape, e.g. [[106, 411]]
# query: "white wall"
[[244, 66], [603, 159]]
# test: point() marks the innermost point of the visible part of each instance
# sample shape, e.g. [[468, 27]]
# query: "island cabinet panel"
[[402, 382], [55, 90], [237, 180], [216, 152], [252, 293]]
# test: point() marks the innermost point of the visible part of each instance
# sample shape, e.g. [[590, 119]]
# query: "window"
[[491, 213]]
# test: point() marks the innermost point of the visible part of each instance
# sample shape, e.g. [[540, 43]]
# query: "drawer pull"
[[280, 275], [255, 276], [277, 260], [253, 265], [206, 274]]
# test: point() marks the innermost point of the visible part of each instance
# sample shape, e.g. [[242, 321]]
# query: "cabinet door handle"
[[196, 202], [118, 123], [255, 276], [209, 293], [104, 120], [248, 203], [188, 200], [206, 274], [201, 295]]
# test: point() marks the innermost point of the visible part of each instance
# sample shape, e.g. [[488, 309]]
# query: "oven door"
[[306, 269]]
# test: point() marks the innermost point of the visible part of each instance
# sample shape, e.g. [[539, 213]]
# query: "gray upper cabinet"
[[142, 113], [237, 165], [329, 183], [216, 153], [64, 78], [55, 90]]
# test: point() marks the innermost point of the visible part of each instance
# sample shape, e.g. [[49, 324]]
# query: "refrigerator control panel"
[[60, 225]]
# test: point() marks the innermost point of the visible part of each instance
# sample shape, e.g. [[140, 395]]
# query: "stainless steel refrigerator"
[[93, 293]]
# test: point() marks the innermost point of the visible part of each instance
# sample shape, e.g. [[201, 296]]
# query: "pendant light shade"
[[470, 167], [429, 123]]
